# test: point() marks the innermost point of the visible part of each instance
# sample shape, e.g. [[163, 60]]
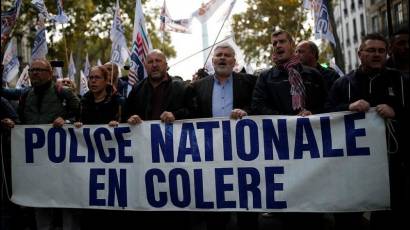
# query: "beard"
[[223, 70]]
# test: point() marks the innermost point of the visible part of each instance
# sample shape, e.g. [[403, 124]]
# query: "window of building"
[[347, 34], [362, 26], [398, 13], [354, 30], [352, 6], [375, 24]]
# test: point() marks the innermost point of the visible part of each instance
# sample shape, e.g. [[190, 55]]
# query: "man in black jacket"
[[288, 88], [225, 94], [308, 54], [374, 85], [158, 97]]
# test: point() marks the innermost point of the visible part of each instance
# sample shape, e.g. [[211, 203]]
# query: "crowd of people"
[[296, 85]]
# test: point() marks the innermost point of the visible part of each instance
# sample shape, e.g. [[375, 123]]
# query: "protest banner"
[[322, 163]]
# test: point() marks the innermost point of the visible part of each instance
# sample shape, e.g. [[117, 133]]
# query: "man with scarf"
[[290, 88]]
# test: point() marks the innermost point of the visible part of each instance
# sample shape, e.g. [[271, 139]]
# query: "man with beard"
[[290, 88], [225, 94], [374, 85]]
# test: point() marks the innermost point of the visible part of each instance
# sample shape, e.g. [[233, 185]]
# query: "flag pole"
[[65, 46]]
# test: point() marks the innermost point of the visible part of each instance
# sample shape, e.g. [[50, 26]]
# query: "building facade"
[[377, 16], [351, 25]]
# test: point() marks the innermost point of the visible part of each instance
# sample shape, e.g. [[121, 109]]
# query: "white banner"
[[323, 163]]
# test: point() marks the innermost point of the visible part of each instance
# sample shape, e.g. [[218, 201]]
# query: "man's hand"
[[359, 106], [134, 119], [113, 123], [304, 113], [385, 111], [238, 114], [167, 117], [58, 122], [7, 123], [78, 124]]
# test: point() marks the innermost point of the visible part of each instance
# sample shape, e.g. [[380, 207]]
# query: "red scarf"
[[297, 88]]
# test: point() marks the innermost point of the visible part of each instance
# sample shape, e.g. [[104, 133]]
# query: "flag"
[[58, 72], [206, 10], [8, 20], [141, 45], [119, 50], [99, 62], [71, 68], [228, 11], [10, 62], [61, 17], [334, 66], [169, 24], [83, 84], [24, 79], [87, 66], [322, 28], [41, 8], [40, 44]]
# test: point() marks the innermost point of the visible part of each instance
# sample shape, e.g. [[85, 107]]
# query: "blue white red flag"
[[141, 45], [119, 50], [24, 79], [40, 49], [61, 17], [10, 62], [169, 24], [71, 68], [8, 20], [41, 8]]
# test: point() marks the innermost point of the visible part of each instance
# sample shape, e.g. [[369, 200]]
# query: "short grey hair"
[[225, 46]]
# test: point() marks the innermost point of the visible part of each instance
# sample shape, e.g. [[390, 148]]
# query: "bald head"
[[40, 72], [156, 65], [308, 53]]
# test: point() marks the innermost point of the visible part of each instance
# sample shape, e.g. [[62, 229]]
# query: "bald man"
[[308, 54], [158, 97]]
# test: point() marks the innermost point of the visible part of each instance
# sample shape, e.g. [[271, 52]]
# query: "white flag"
[[24, 79], [10, 62], [58, 72], [119, 50], [8, 20], [71, 68], [99, 62], [141, 45], [40, 49], [61, 17], [206, 10], [323, 28], [169, 24], [83, 84], [87, 66]]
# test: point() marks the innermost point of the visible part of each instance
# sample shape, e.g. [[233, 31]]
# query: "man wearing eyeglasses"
[[46, 103], [374, 85]]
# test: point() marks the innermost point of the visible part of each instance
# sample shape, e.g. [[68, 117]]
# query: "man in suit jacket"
[[225, 94]]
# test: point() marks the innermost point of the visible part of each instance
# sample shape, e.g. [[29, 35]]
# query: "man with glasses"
[[46, 103], [374, 85]]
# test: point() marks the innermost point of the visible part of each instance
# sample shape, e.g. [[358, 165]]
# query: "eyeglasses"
[[97, 78], [32, 70], [374, 50]]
